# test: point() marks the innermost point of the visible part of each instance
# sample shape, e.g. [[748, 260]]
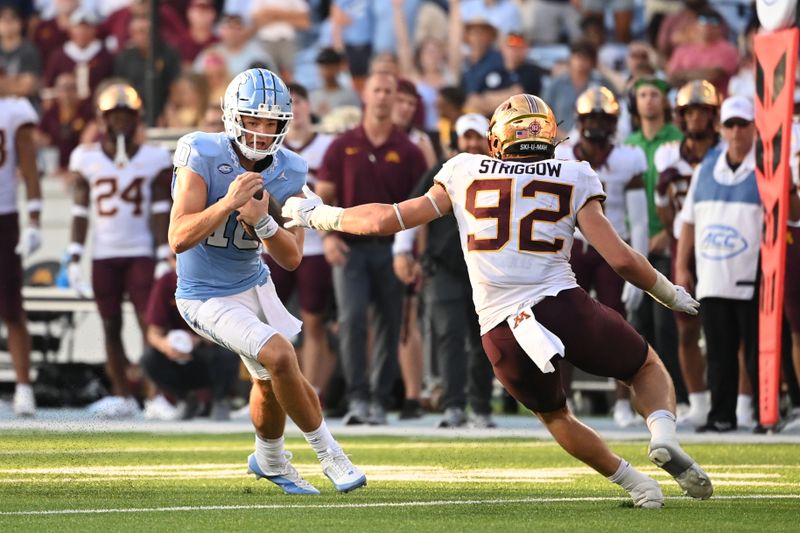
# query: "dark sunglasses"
[[734, 122]]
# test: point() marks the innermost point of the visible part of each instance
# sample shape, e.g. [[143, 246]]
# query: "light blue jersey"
[[228, 261]]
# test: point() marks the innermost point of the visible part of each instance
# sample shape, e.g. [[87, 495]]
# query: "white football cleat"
[[342, 473], [691, 478], [647, 494], [114, 407], [24, 400], [623, 414], [159, 408], [287, 477]]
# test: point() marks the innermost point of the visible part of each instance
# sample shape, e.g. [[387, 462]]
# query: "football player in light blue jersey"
[[222, 184]]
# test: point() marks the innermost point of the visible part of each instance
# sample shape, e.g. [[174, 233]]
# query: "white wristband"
[[80, 211], [163, 252], [404, 241], [75, 248], [663, 290], [266, 227], [34, 205], [161, 206]]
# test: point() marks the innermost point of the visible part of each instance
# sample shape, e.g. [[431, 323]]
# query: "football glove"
[[29, 242]]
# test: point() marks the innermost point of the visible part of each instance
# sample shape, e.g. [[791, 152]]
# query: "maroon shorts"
[[592, 272], [312, 280], [113, 278], [791, 295], [10, 269], [596, 339]]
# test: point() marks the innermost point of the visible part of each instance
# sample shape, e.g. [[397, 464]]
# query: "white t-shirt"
[[313, 152], [516, 223], [120, 198], [14, 113]]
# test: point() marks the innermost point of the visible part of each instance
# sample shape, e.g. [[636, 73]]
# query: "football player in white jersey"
[[697, 114], [620, 169], [17, 151], [312, 279], [517, 212], [124, 186]]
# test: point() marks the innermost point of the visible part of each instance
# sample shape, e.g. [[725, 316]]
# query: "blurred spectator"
[[311, 281], [212, 119], [408, 115], [20, 67], [623, 15], [352, 27], [278, 22], [610, 56], [710, 58], [678, 28], [117, 25], [549, 21], [450, 105], [722, 217], [131, 63], [386, 63], [65, 119], [519, 76], [331, 95], [374, 162], [200, 32], [179, 361], [236, 46], [427, 65], [654, 127], [743, 83], [385, 15], [217, 76], [84, 55], [581, 74], [52, 33], [187, 102], [504, 14], [484, 66]]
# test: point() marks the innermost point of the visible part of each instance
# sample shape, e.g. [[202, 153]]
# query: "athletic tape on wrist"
[[80, 211], [163, 252], [266, 227], [35, 205], [75, 248], [161, 206]]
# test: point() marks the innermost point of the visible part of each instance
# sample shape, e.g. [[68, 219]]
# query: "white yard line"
[[328, 506]]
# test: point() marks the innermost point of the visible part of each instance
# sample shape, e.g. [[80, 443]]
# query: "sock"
[[622, 403], [699, 401], [22, 386], [322, 441], [661, 424], [744, 405], [270, 453], [627, 476]]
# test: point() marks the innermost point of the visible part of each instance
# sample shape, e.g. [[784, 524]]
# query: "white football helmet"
[[256, 92]]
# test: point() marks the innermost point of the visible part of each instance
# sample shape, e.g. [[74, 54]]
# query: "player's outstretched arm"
[[368, 219], [632, 266], [190, 220]]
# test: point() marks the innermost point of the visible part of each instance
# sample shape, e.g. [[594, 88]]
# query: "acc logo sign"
[[225, 168], [720, 242]]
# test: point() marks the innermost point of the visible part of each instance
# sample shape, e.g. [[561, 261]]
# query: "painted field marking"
[[421, 503]]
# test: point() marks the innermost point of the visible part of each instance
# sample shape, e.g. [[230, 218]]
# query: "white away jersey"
[[312, 152], [14, 113], [120, 198], [623, 164], [516, 223]]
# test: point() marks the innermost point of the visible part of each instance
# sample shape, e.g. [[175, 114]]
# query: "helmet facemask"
[[598, 128]]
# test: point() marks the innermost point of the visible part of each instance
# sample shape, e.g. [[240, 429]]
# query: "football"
[[274, 211]]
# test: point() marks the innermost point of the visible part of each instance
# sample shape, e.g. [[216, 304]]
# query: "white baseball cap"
[[472, 121], [737, 107]]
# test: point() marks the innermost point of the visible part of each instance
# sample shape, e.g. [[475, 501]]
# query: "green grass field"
[[154, 482]]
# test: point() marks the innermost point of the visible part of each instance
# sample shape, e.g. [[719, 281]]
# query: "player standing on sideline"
[[697, 113], [17, 150], [225, 292], [516, 216], [125, 186], [620, 169]]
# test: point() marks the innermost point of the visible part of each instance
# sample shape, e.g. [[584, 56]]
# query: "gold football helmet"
[[522, 126], [697, 92], [598, 100], [118, 95]]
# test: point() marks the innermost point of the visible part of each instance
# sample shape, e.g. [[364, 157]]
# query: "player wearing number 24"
[[517, 211], [122, 186]]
